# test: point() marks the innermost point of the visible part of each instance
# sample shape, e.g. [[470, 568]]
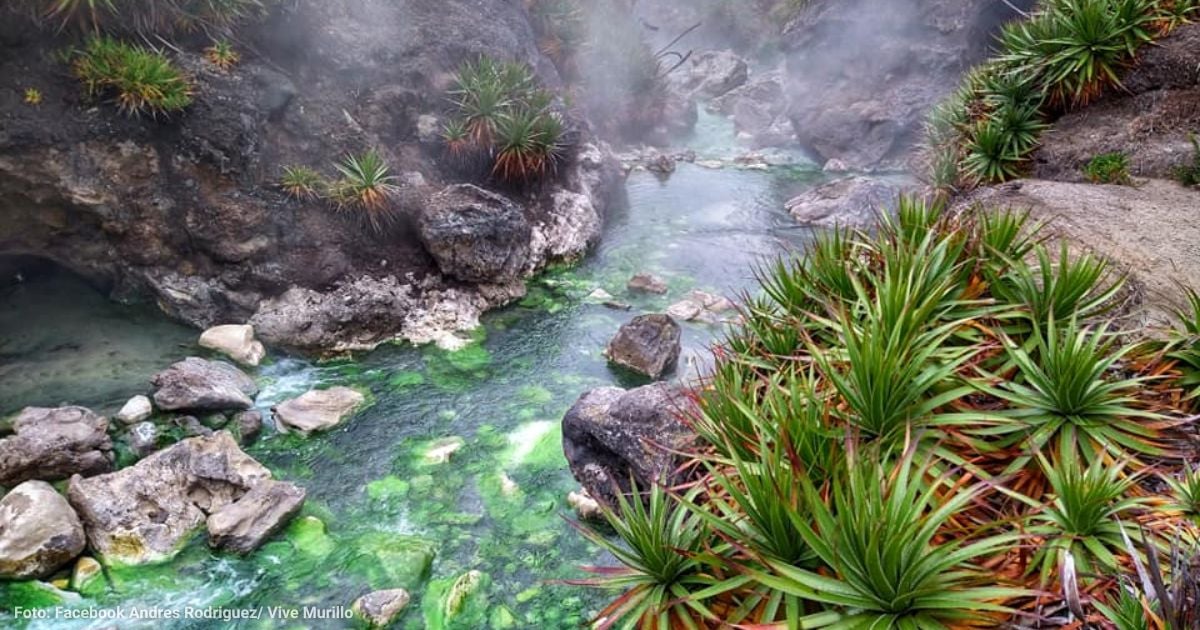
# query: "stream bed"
[[377, 510]]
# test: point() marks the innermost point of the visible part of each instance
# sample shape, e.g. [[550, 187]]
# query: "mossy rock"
[[87, 578], [33, 594], [388, 560], [309, 537], [458, 603]]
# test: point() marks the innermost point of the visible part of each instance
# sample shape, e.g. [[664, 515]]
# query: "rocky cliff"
[[186, 210]]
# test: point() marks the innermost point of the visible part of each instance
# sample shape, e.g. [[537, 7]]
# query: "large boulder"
[[715, 72], [39, 532], [318, 409], [235, 341], [475, 235], [854, 202], [867, 109], [245, 524], [55, 443], [196, 384], [147, 512], [759, 111], [648, 345], [611, 435]]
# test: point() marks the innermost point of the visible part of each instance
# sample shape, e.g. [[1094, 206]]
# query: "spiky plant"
[[142, 81], [660, 540], [1062, 399], [457, 136], [147, 17], [1184, 346], [1080, 286], [1108, 168], [1126, 611], [485, 90], [887, 562], [1185, 492], [32, 96], [365, 185], [990, 155], [528, 145], [301, 182], [1083, 518], [222, 55]]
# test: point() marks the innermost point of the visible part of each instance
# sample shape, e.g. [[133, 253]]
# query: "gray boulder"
[[855, 202], [249, 426], [55, 443], [244, 525], [318, 409], [716, 72], [142, 438], [39, 532], [611, 435], [147, 512], [475, 235], [648, 345], [647, 283], [759, 111], [197, 384], [135, 410]]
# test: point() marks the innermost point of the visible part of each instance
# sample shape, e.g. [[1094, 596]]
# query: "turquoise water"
[[376, 507]]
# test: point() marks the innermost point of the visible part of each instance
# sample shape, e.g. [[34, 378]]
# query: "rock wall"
[[185, 210], [862, 74]]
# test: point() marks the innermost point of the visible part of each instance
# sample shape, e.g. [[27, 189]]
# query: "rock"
[[245, 524], [318, 409], [55, 443], [196, 384], [147, 512], [440, 451], [714, 73], [661, 164], [711, 302], [457, 602], [475, 235], [854, 202], [759, 110], [611, 434], [647, 283], [686, 310], [380, 608], [402, 561], [429, 129], [39, 532], [834, 165], [248, 425], [143, 438], [135, 410], [214, 421], [191, 425], [235, 341], [585, 506], [87, 578], [649, 345], [600, 295]]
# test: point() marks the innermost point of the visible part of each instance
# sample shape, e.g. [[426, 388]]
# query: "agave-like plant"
[[990, 155], [660, 543], [301, 182], [1185, 492], [886, 561], [222, 55], [1184, 346], [1062, 399], [1127, 611], [1079, 287], [142, 81], [528, 144], [365, 184], [1082, 521]]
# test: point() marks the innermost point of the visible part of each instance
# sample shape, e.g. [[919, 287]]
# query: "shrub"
[[149, 17], [1108, 168], [141, 81], [1189, 174]]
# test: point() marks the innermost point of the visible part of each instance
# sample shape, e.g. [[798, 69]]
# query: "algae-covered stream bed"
[[489, 523]]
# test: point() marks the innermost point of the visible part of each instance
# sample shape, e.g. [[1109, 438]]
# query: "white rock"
[[600, 295], [318, 409], [135, 410], [687, 310], [441, 450], [235, 341], [585, 506]]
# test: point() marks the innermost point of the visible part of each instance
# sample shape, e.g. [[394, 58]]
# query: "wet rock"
[[600, 295], [460, 602], [235, 341], [143, 438], [711, 302], [429, 129], [759, 111], [135, 410], [318, 409], [214, 421], [196, 384], [248, 425], [39, 532], [147, 512], [834, 165], [245, 524], [87, 577], [440, 451], [649, 345], [686, 310], [661, 164], [402, 561], [380, 608], [475, 235], [715, 72], [647, 283], [55, 443], [611, 435], [856, 202]]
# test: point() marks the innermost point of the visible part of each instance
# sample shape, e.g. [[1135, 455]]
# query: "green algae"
[[458, 603], [389, 560]]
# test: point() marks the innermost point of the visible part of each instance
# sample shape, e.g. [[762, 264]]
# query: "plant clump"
[[1062, 57], [503, 118], [302, 182], [222, 55], [140, 80], [32, 96], [363, 188], [1108, 168], [147, 17], [932, 426]]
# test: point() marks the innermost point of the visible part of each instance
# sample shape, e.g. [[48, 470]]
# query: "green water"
[[375, 506]]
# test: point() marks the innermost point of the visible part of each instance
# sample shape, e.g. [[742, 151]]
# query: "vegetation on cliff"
[[933, 426]]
